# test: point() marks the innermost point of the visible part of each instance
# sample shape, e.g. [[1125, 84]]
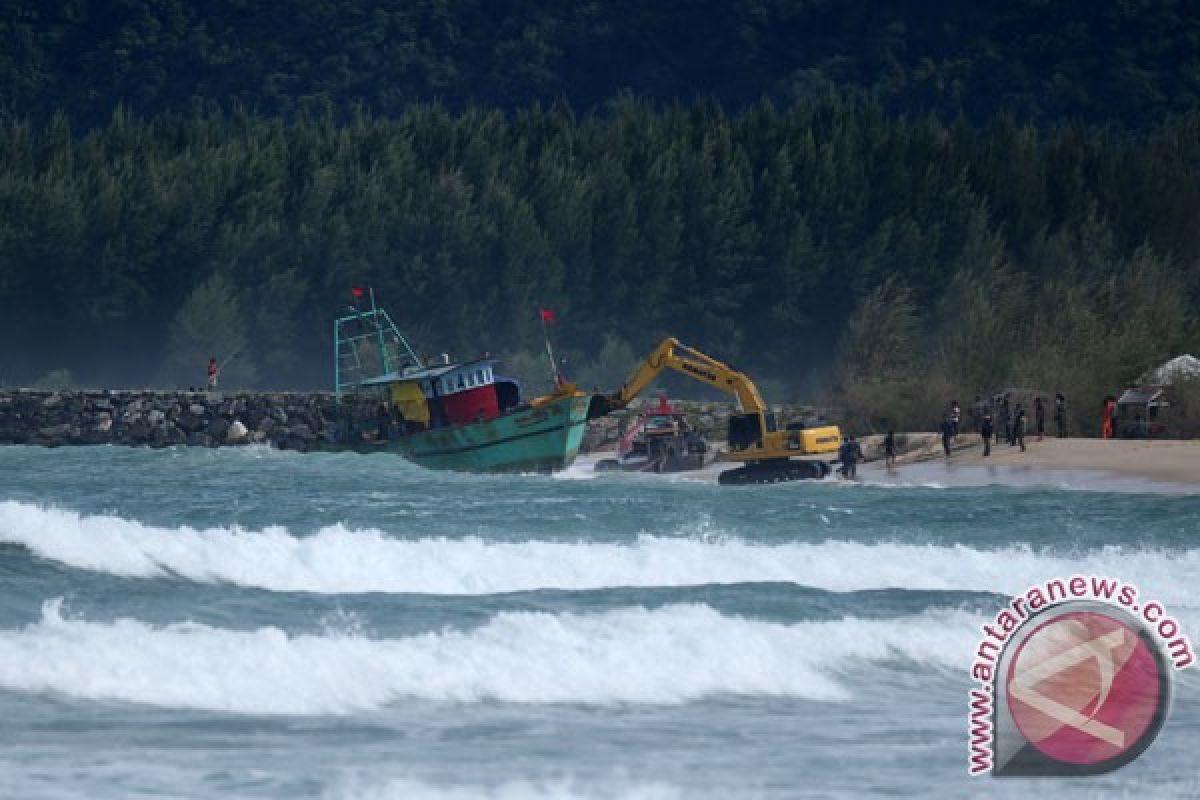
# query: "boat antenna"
[[547, 317], [384, 359]]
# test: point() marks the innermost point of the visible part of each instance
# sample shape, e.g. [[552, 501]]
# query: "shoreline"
[[1164, 460], [1117, 465]]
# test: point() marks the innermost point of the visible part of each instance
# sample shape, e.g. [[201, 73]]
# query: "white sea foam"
[[666, 656], [340, 560], [366, 788]]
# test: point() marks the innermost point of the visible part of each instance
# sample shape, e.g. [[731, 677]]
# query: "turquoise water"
[[253, 623]]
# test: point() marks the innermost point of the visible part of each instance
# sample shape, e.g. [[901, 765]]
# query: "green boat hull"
[[541, 439]]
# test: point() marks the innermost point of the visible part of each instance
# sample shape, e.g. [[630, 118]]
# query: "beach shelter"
[[1142, 409]]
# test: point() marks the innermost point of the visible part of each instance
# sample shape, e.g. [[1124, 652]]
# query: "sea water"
[[254, 623]]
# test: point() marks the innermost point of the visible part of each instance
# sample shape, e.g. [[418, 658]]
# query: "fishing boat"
[[463, 416]]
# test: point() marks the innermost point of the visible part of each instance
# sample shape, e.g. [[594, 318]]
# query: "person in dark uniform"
[[947, 434], [986, 430], [1012, 424], [1060, 415], [1039, 417], [849, 454], [1005, 420], [1019, 427], [889, 449]]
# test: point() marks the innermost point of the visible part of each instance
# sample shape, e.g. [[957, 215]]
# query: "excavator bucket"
[[601, 405]]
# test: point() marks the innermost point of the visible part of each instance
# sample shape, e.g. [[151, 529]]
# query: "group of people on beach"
[[1000, 414]]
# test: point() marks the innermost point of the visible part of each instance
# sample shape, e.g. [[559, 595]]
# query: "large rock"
[[237, 432]]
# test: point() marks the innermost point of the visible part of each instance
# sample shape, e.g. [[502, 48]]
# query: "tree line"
[[829, 248], [1132, 62]]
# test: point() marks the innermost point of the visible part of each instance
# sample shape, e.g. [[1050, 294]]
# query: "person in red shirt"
[[213, 371], [1106, 423]]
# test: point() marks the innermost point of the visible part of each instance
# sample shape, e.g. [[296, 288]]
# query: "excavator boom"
[[673, 354]]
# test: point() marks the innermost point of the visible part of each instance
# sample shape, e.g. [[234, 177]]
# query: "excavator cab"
[[746, 430]]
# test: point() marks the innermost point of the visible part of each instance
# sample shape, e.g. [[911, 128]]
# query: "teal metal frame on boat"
[[378, 330]]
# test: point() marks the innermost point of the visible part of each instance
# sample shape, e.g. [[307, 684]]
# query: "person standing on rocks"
[[213, 372]]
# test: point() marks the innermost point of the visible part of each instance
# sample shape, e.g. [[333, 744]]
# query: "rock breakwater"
[[287, 420]]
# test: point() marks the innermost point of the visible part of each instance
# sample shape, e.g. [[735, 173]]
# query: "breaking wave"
[[616, 786], [341, 560], [666, 656]]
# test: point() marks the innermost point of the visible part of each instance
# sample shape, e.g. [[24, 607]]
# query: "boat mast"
[[381, 333]]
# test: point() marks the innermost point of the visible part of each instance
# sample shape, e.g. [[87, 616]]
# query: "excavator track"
[[774, 471]]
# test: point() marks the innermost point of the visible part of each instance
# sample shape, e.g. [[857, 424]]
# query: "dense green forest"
[[881, 228], [1131, 61], [994, 255]]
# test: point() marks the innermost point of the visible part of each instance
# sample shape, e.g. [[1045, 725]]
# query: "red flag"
[[547, 315], [357, 291]]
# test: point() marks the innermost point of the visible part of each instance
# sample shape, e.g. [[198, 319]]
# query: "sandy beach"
[[1096, 464], [1080, 463]]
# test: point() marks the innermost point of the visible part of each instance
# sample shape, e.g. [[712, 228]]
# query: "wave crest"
[[341, 560], [665, 656]]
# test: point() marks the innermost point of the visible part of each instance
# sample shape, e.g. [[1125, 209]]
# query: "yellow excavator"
[[767, 453]]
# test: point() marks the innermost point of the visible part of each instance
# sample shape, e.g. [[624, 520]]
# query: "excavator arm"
[[673, 354]]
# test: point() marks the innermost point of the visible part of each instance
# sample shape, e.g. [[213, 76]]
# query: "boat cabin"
[[386, 390], [464, 393], [448, 394]]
